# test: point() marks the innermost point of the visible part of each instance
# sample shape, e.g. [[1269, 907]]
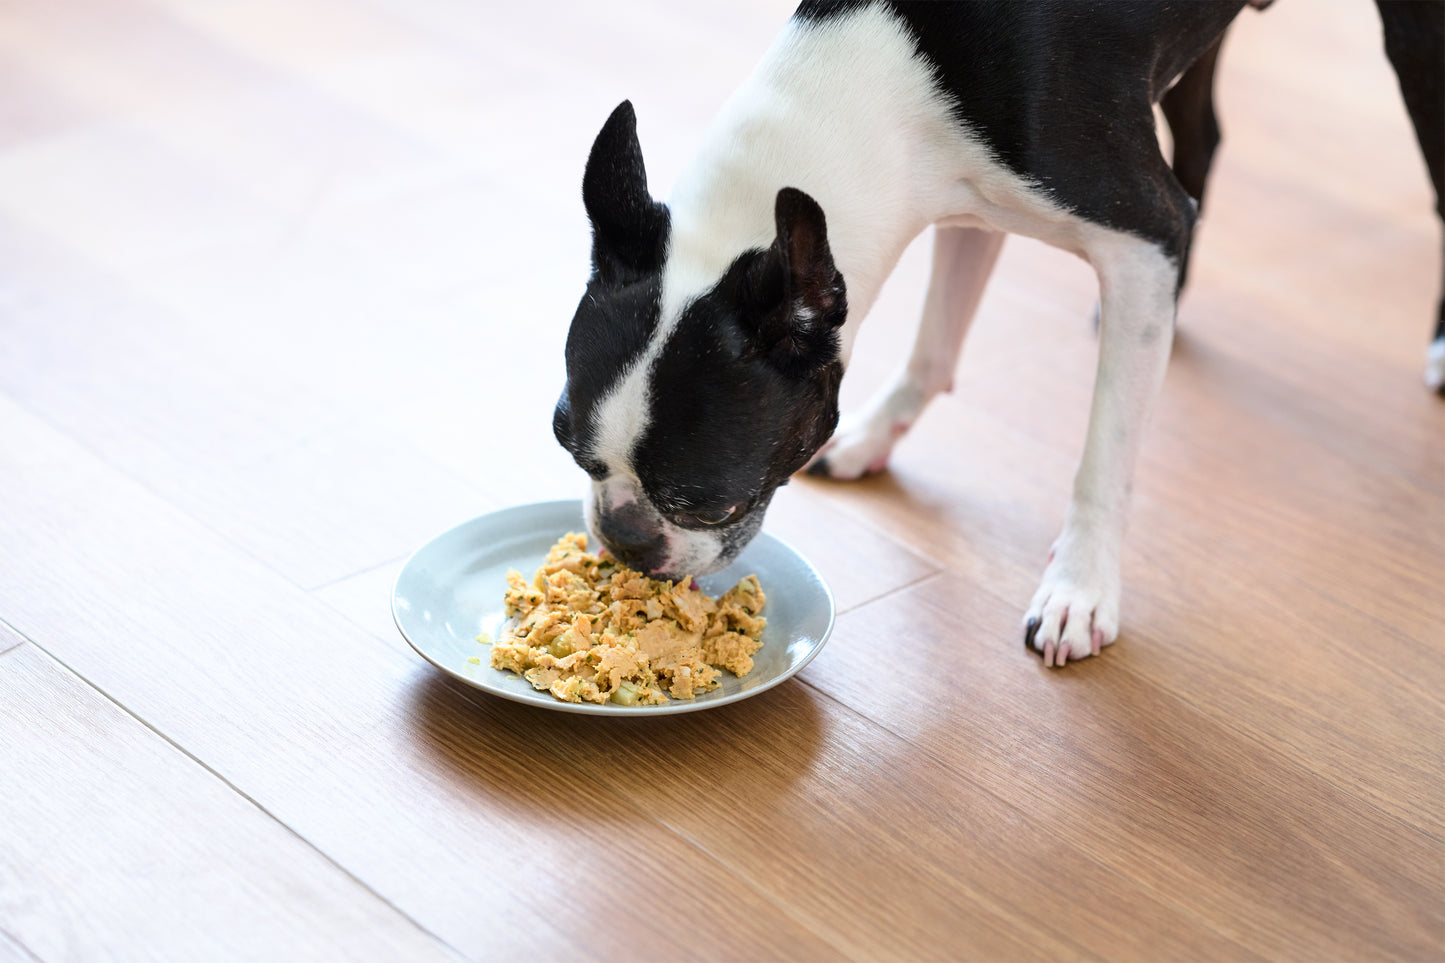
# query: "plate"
[[451, 590]]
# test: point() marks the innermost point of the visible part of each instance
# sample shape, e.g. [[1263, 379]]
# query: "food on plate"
[[588, 628]]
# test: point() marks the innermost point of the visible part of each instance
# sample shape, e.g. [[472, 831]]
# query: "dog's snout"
[[636, 543]]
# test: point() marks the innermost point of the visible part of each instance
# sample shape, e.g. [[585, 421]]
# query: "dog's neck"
[[843, 111]]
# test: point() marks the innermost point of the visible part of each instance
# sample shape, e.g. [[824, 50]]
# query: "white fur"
[[1435, 364], [843, 112], [1077, 604], [963, 259], [847, 113]]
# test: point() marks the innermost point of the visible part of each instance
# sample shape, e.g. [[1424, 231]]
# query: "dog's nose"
[[634, 543]]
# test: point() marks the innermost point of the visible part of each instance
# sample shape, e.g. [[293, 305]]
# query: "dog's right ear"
[[629, 228], [795, 295]]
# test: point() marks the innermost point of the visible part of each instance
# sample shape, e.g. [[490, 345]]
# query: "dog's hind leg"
[[1189, 108], [1415, 44], [963, 258]]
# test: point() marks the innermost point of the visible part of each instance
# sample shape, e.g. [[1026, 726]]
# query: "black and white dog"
[[704, 360]]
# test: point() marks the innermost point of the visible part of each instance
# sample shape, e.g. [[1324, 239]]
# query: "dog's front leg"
[[963, 258], [1076, 609]]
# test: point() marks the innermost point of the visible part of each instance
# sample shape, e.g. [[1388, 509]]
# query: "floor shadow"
[[754, 750]]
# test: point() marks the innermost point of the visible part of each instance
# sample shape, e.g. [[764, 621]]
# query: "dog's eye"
[[714, 518]]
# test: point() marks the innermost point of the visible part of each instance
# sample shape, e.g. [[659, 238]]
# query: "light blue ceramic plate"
[[450, 592]]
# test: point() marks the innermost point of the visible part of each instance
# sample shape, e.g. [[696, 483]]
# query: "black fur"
[[1415, 44], [629, 228], [745, 389], [618, 311], [1062, 92], [1189, 108], [611, 328]]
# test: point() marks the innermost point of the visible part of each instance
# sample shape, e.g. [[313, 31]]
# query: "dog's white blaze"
[[621, 418]]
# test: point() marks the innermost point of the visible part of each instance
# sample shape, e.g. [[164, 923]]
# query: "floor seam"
[[889, 593], [366, 570], [15, 941], [235, 789]]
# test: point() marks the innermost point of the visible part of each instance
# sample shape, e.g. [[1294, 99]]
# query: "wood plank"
[[285, 290], [317, 722], [200, 104], [267, 461], [793, 791], [1207, 816], [865, 838], [1205, 599], [114, 840]]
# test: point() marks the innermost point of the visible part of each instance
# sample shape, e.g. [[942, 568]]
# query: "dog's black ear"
[[629, 228], [802, 330]]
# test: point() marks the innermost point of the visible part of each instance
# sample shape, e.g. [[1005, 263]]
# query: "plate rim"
[[673, 707]]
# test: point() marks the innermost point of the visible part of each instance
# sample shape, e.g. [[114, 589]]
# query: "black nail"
[[1031, 630], [819, 468]]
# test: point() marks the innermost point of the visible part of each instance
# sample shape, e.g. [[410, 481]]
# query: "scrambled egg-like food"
[[590, 628]]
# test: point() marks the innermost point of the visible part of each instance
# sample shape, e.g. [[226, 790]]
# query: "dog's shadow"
[[552, 765]]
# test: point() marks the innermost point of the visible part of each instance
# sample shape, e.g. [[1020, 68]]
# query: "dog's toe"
[[1070, 618]]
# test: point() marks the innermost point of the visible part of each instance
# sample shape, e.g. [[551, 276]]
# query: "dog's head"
[[689, 423]]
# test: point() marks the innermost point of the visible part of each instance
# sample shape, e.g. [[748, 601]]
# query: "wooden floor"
[[283, 290]]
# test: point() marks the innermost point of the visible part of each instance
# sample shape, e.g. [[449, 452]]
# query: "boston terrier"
[[704, 360]]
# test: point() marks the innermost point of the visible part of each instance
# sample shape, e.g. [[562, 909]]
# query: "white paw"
[[859, 447], [1075, 612]]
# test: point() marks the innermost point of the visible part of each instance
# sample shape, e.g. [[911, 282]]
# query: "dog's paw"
[[1075, 612], [859, 447]]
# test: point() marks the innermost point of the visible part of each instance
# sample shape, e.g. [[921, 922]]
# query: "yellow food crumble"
[[588, 628]]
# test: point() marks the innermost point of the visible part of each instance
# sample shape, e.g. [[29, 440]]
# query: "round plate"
[[451, 590]]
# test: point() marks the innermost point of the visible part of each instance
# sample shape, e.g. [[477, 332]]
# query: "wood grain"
[[245, 656], [284, 288], [102, 819], [1137, 795]]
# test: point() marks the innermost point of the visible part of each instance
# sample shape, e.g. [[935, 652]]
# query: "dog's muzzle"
[[636, 539]]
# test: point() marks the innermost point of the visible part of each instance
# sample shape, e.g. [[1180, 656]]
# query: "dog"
[[704, 359]]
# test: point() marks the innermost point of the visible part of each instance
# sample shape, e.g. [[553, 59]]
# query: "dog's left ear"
[[802, 330], [629, 228]]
